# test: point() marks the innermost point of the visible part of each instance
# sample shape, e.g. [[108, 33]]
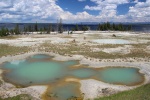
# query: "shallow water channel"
[[41, 69]]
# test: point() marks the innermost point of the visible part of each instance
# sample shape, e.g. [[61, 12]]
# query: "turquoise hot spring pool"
[[41, 69]]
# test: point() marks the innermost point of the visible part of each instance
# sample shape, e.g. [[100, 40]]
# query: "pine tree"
[[4, 32], [102, 27], [41, 30], [130, 27], [114, 26], [11, 31], [25, 29], [49, 29], [45, 29], [108, 26], [76, 28], [105, 27], [99, 27], [60, 26], [0, 33], [36, 27], [120, 27], [29, 28], [7, 31], [16, 30], [84, 28]]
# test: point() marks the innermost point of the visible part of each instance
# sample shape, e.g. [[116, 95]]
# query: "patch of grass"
[[87, 50], [19, 97], [73, 49], [62, 49], [142, 45], [39, 36], [137, 53], [12, 50], [101, 55], [108, 46], [68, 36], [140, 93], [1, 82], [9, 37]]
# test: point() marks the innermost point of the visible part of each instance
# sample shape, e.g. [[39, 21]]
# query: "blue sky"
[[124, 8], [75, 6], [73, 11]]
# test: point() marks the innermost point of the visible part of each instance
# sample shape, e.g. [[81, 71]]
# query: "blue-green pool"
[[64, 91], [127, 76], [43, 70], [38, 71], [111, 41]]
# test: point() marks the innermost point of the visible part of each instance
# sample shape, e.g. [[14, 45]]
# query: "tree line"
[[6, 31], [16, 30], [35, 28], [59, 28], [104, 27], [113, 27], [80, 28]]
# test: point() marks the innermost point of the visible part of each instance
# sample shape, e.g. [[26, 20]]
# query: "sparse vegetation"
[[87, 51], [12, 50], [9, 37], [140, 93], [138, 53], [1, 82], [19, 97], [107, 46]]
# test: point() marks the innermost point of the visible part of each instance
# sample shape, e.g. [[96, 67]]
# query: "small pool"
[[128, 76], [64, 91], [111, 41], [43, 70]]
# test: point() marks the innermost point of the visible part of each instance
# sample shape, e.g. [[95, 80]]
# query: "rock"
[[105, 90], [108, 91]]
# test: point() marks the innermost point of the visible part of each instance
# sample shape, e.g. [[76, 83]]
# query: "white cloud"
[[37, 10], [108, 10], [30, 8], [93, 7], [140, 12], [49, 11]]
